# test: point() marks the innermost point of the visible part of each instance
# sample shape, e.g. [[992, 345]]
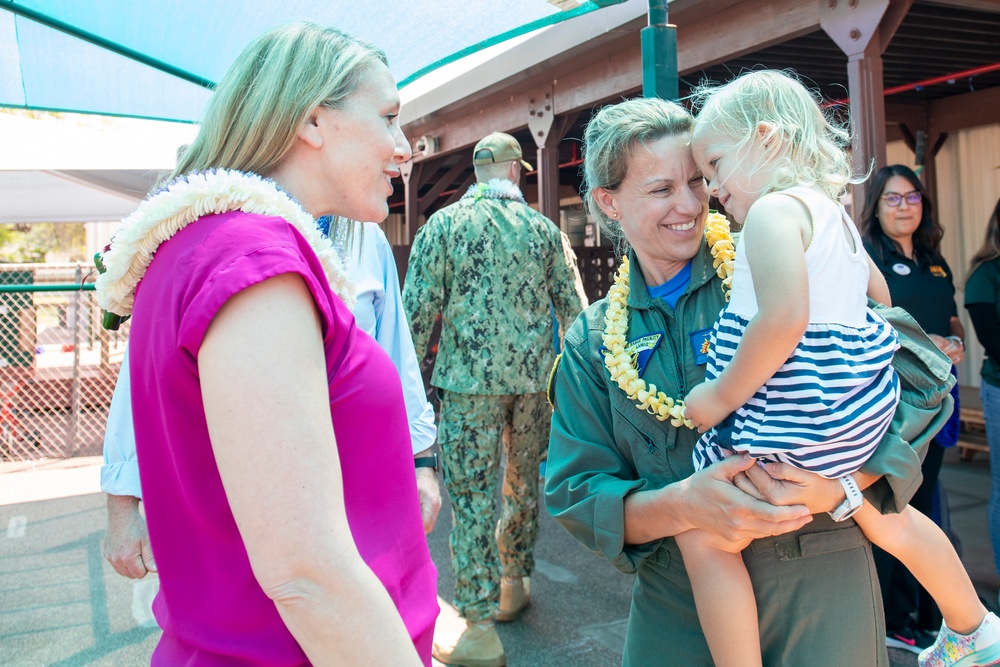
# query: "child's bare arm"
[[777, 231], [878, 290]]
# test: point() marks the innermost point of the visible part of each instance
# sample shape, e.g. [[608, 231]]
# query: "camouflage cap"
[[498, 147]]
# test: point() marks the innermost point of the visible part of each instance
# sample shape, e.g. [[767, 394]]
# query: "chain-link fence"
[[58, 366]]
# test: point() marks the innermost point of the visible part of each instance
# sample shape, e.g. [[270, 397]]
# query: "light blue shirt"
[[378, 312]]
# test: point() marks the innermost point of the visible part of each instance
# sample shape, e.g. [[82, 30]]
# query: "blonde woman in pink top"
[[272, 437]]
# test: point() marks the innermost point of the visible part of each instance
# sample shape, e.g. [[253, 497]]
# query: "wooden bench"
[[972, 435]]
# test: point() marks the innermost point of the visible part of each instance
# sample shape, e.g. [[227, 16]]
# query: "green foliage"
[[32, 244], [7, 235]]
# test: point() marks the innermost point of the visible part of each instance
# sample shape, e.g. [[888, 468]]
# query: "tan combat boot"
[[515, 595], [478, 646]]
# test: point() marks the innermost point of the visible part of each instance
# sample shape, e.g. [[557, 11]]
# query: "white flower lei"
[[495, 188], [183, 201], [622, 365]]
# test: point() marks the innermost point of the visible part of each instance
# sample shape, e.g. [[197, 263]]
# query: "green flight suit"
[[817, 592]]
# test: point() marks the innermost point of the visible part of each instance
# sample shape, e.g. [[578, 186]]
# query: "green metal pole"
[[54, 23], [659, 54], [66, 287]]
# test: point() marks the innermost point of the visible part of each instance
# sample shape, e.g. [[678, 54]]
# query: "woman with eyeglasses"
[[904, 240]]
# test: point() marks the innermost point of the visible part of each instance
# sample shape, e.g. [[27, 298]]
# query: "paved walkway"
[[62, 605]]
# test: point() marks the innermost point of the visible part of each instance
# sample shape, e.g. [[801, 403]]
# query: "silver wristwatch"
[[852, 503]]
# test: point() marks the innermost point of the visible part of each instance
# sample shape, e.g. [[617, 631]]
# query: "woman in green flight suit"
[[621, 481]]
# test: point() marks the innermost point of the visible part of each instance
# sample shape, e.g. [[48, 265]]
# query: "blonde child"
[[800, 367]]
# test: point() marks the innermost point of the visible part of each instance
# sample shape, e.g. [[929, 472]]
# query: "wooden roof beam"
[[616, 70], [720, 36], [959, 112]]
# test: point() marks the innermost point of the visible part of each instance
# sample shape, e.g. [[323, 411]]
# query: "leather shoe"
[[514, 597], [478, 646]]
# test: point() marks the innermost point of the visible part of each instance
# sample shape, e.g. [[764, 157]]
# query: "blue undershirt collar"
[[672, 290]]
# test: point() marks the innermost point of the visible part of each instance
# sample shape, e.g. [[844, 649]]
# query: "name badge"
[[700, 344], [901, 269], [642, 349], [938, 271]]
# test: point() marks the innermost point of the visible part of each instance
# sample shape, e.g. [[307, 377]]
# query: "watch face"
[[844, 512], [852, 503]]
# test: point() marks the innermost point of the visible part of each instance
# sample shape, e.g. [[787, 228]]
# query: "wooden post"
[[548, 131], [862, 29], [864, 74], [540, 122], [935, 140]]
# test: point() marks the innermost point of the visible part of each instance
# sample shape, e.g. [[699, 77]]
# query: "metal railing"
[[58, 365]]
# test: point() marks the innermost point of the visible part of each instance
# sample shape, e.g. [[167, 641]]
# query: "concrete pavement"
[[62, 605]]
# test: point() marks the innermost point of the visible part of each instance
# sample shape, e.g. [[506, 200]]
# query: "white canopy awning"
[[81, 169], [71, 196]]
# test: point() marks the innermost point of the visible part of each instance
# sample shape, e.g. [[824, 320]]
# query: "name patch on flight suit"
[[700, 344], [642, 349]]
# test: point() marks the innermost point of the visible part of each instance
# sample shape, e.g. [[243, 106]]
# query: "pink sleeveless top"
[[210, 606]]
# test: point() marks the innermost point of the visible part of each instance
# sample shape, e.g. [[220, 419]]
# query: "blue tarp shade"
[[66, 54], [52, 70]]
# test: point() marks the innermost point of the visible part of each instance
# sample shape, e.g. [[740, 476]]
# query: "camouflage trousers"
[[472, 432]]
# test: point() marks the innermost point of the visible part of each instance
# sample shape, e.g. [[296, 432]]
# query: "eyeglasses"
[[894, 199]]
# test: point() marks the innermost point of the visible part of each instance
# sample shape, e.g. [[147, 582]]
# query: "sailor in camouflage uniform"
[[491, 265]]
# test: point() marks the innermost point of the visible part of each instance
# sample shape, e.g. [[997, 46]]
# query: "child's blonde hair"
[[810, 147]]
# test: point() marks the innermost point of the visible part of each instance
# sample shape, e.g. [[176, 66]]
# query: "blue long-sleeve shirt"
[[378, 312]]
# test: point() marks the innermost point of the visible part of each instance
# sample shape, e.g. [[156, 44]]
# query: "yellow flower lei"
[[621, 364]]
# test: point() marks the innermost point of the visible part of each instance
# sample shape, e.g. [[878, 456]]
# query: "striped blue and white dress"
[[826, 409]]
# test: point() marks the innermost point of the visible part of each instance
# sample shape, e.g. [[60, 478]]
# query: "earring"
[[614, 215]]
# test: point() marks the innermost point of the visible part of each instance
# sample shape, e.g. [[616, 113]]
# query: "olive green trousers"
[[818, 603]]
